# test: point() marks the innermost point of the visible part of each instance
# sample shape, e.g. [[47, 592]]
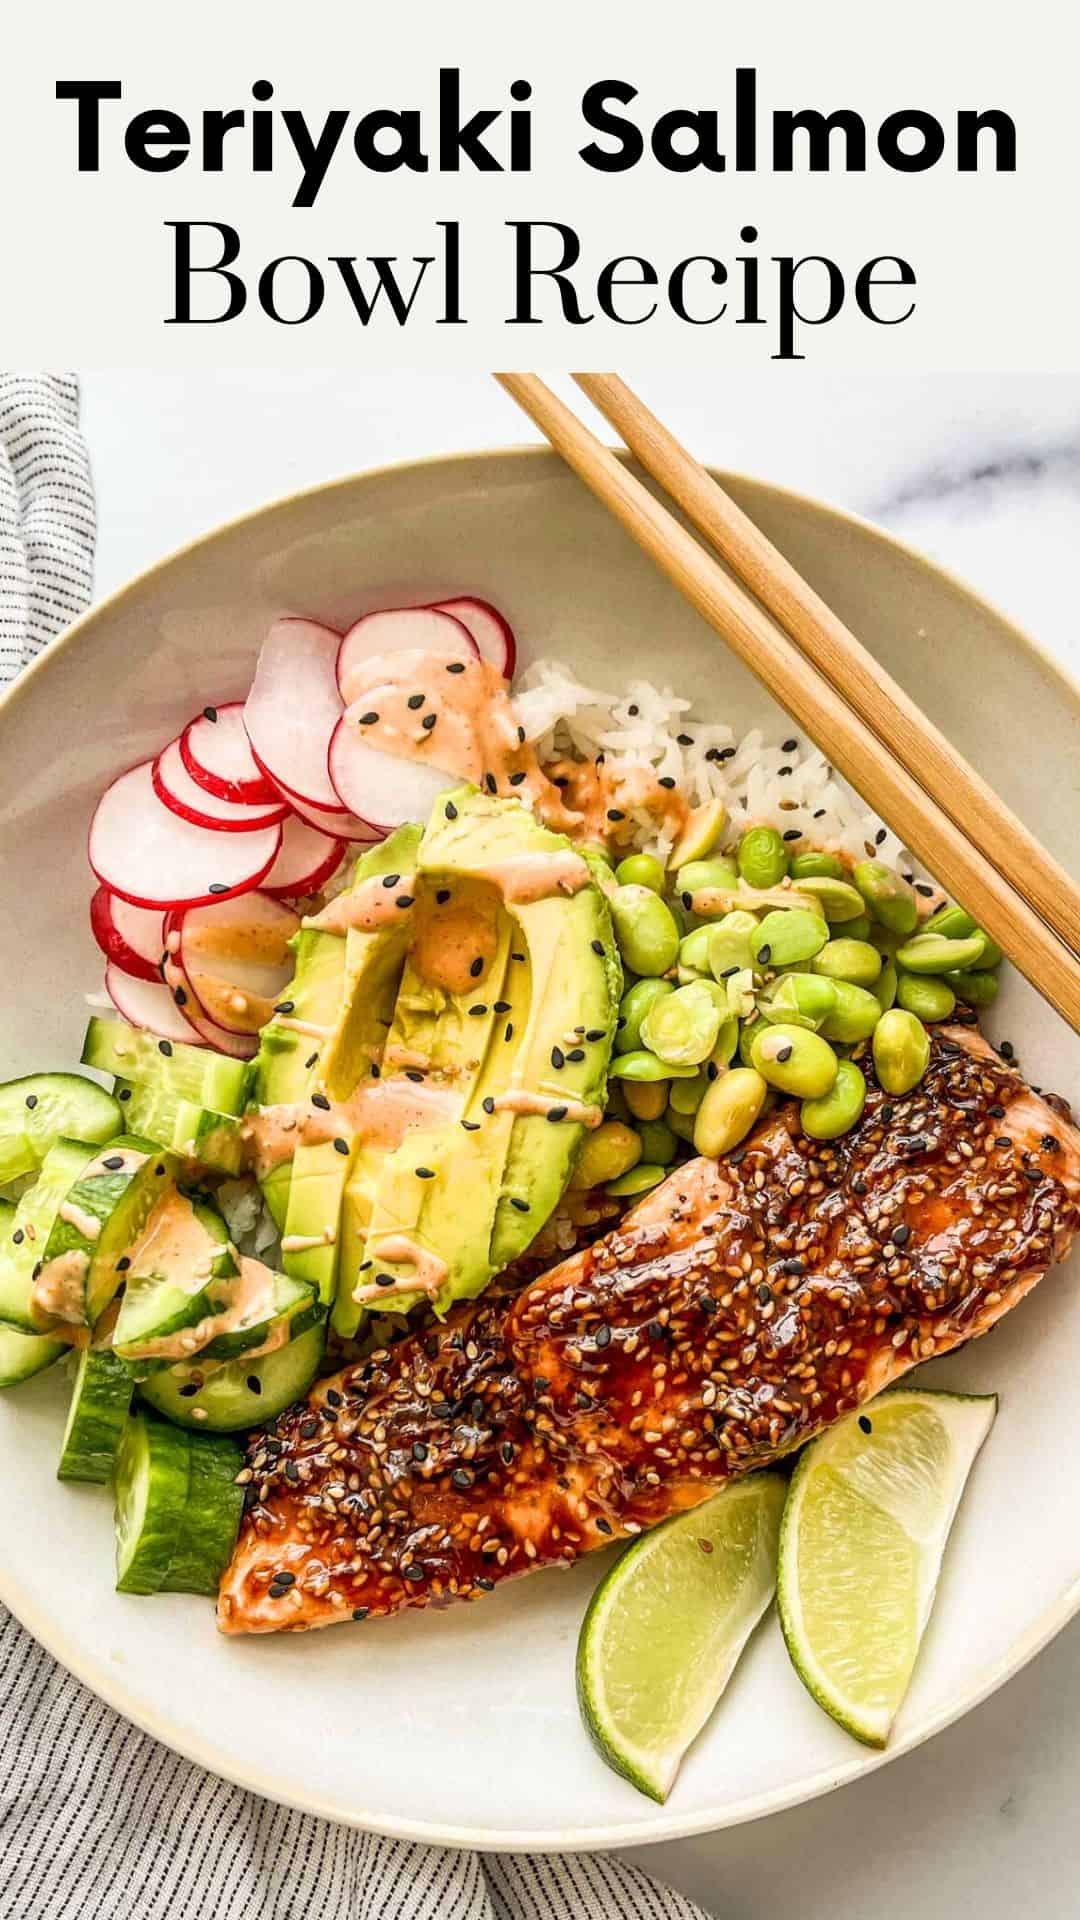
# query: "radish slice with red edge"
[[306, 861], [293, 708], [149, 1004], [239, 1046], [176, 789], [351, 828], [398, 790], [401, 630], [492, 636], [217, 753], [131, 937], [152, 858], [236, 957]]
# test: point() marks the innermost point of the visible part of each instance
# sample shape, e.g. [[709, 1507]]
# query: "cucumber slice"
[[211, 1517], [24, 1354], [215, 1140], [7, 1219], [182, 1238], [34, 1216], [151, 1482], [100, 1399], [115, 1194], [42, 1108], [167, 1070], [239, 1393]]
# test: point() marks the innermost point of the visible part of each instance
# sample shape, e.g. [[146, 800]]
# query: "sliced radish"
[[176, 789], [293, 708], [347, 825], [389, 790], [491, 634], [241, 1046], [131, 937], [217, 753], [152, 858], [235, 954], [306, 860], [398, 630], [149, 1004]]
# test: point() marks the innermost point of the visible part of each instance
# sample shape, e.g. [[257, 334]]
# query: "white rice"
[[773, 782]]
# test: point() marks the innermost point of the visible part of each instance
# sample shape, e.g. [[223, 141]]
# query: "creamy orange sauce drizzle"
[[59, 1291], [75, 1216], [523, 1100], [449, 937], [379, 1114], [537, 876], [306, 1242], [250, 1300], [174, 1241], [429, 1272], [707, 901], [308, 1027], [594, 793], [367, 907]]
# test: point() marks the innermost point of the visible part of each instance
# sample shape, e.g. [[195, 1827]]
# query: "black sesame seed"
[[685, 739], [509, 1031], [123, 1093], [476, 967], [633, 711], [385, 1280], [712, 1071], [165, 1047], [376, 1071], [471, 1126], [419, 1451], [516, 779], [784, 1054], [491, 783], [865, 1425], [442, 896], [285, 1006], [500, 1006], [308, 1429], [311, 1060], [360, 1613], [765, 955], [596, 1033], [31, 1101], [488, 1104], [450, 810], [521, 736], [687, 900], [764, 1293], [793, 833], [558, 1057], [615, 813], [18, 1236], [416, 700], [576, 1053], [784, 772], [187, 1392], [880, 837], [485, 1584], [1003, 1141], [428, 721], [113, 1161], [210, 713], [557, 1113], [997, 1112], [820, 814], [456, 666], [333, 1397], [368, 719], [424, 1173], [901, 1234], [123, 1263], [506, 1451], [462, 1479], [602, 1337], [1007, 1050], [341, 1146], [404, 900], [320, 1100], [217, 886], [789, 746], [253, 1383], [921, 887], [517, 956], [413, 1572], [478, 1010], [522, 1206], [597, 947], [602, 1525], [390, 880], [668, 783]]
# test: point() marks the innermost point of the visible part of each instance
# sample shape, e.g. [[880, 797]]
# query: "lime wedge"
[[667, 1624], [865, 1525]]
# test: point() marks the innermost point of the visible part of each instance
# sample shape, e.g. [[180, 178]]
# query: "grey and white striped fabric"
[[97, 1819]]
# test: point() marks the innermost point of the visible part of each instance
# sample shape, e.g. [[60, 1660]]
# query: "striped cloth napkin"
[[97, 1819]]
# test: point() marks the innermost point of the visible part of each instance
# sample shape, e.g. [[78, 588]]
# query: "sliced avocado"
[[491, 1177], [371, 965], [100, 1216]]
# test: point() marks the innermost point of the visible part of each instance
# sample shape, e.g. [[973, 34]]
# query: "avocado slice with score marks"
[[489, 1179], [370, 971]]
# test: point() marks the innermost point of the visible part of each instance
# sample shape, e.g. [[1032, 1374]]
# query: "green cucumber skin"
[[155, 1306], [211, 1517], [151, 1479], [294, 1302], [65, 1106], [34, 1219], [24, 1354], [100, 1401], [185, 1073], [122, 1202], [225, 1402]]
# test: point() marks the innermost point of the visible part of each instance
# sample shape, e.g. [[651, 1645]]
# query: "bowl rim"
[[654, 1825]]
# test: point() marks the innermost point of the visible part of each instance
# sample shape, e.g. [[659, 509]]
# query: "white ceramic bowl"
[[462, 1727]]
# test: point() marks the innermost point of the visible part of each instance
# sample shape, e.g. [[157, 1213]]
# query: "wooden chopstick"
[[860, 679], [865, 761]]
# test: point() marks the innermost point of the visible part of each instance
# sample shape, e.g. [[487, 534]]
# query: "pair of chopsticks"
[[867, 726]]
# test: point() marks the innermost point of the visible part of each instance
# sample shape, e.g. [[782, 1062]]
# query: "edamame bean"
[[700, 834], [884, 987], [795, 1060], [682, 1028], [645, 930], [859, 928], [633, 1007], [729, 943], [694, 950], [838, 899], [646, 1099], [641, 1179], [726, 1041], [641, 870], [931, 953], [854, 1016], [817, 866], [659, 1144], [926, 995], [762, 857], [686, 1096], [747, 1035], [641, 1066], [681, 1124], [803, 999], [728, 1111], [974, 989], [853, 960], [610, 1150], [901, 1048], [951, 922], [992, 955], [838, 1110], [786, 939], [717, 872], [888, 897], [740, 991]]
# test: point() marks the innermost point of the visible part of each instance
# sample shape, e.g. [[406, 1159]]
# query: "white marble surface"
[[983, 472]]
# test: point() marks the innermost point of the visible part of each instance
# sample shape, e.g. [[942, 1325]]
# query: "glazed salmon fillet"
[[739, 1309]]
